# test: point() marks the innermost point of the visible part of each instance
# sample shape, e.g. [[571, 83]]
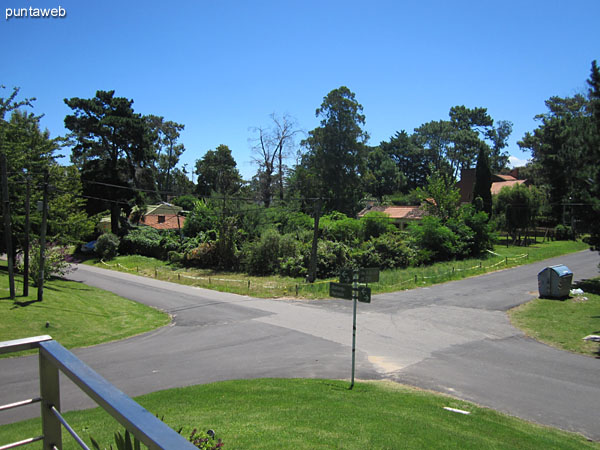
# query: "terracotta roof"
[[396, 212], [505, 177], [163, 221], [498, 185], [162, 209]]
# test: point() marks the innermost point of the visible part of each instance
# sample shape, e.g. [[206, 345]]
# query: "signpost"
[[349, 289]]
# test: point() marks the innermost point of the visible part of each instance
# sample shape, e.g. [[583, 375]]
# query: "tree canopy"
[[334, 160], [113, 147], [217, 173]]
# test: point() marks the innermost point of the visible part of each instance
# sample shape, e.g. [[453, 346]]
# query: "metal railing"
[[54, 358]]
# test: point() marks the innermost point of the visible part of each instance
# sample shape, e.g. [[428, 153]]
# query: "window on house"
[[161, 219]]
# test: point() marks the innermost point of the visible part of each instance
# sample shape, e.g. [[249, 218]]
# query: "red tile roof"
[[169, 222]]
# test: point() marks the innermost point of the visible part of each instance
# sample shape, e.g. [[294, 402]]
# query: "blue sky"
[[221, 67]]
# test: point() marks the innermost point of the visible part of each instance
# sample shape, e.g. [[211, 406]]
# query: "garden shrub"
[[106, 246], [433, 241], [56, 262], [262, 257], [148, 241], [374, 224], [201, 218], [203, 256], [563, 233], [175, 257], [346, 230]]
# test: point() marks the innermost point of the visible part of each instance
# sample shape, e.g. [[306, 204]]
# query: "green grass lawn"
[[78, 315], [390, 280], [314, 414], [563, 323]]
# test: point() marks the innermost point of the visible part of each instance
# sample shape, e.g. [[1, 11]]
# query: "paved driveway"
[[453, 338]]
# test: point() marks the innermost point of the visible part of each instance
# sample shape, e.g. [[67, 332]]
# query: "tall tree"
[[482, 191], [335, 156], [593, 182], [217, 173], [168, 151], [440, 196], [561, 151], [435, 138], [382, 176], [498, 135], [469, 127], [413, 161], [113, 146], [271, 147]]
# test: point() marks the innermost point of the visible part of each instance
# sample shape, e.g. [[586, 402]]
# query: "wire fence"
[[304, 289]]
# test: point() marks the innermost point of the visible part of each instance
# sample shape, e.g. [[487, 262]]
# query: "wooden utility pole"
[[40, 294], [312, 272], [7, 227], [26, 246]]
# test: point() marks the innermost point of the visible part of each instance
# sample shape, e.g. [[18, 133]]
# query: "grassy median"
[[564, 323], [313, 414], [74, 314], [391, 280]]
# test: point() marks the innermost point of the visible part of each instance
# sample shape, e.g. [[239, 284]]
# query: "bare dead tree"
[[271, 148]]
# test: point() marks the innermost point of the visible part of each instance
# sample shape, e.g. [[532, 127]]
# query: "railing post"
[[50, 393]]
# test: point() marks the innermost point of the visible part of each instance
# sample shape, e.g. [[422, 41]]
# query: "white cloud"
[[513, 161]]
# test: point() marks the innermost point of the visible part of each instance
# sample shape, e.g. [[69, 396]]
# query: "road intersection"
[[453, 338]]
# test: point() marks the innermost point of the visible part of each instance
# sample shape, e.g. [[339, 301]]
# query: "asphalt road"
[[453, 338]]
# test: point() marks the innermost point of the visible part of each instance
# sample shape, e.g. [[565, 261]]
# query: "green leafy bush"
[[202, 218], [262, 257], [175, 257], [346, 230], [56, 262], [563, 233], [432, 240], [374, 224], [203, 256], [388, 251], [148, 241], [107, 245]]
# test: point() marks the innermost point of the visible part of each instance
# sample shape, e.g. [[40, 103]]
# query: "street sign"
[[365, 275], [340, 290], [346, 275], [364, 294], [368, 275]]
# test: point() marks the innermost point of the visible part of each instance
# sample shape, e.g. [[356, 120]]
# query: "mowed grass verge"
[[390, 280], [564, 323], [77, 315], [315, 414]]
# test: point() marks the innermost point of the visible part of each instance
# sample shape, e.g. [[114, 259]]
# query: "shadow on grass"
[[590, 286], [24, 304]]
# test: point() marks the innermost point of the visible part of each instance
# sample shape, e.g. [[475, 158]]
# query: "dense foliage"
[[265, 226]]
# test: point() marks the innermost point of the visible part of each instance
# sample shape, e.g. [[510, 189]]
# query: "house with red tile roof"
[[400, 216], [163, 217], [467, 183]]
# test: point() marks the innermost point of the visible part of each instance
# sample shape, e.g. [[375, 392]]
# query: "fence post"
[[155, 272], [50, 393], [248, 285], [416, 280], [506, 261], [296, 290]]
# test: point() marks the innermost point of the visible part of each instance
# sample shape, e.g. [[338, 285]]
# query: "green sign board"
[[340, 290], [364, 294], [346, 274], [365, 275], [368, 275]]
